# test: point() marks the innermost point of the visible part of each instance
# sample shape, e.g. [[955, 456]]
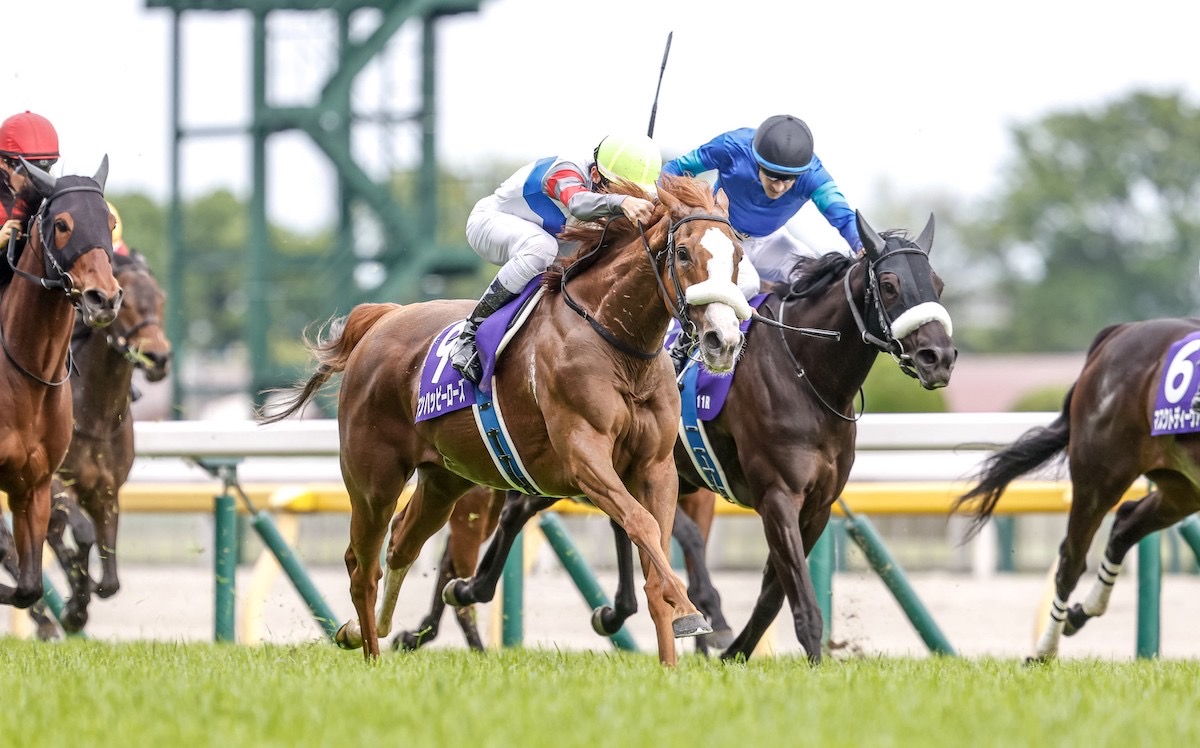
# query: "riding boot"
[[465, 356]]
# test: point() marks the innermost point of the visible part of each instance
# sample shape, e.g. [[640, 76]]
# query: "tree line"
[[1095, 220]]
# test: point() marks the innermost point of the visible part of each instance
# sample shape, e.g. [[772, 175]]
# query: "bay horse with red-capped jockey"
[[86, 489], [589, 399], [65, 267]]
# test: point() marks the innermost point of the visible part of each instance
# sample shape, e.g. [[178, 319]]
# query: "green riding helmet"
[[634, 158]]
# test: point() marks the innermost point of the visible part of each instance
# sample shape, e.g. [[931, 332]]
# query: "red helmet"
[[29, 135]]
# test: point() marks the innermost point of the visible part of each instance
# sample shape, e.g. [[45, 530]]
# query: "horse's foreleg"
[[649, 527], [766, 608], [30, 518], [700, 586], [481, 588], [608, 620], [101, 505], [1084, 519], [781, 523], [73, 559]]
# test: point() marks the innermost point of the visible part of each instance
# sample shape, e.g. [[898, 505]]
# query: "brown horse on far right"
[[1104, 431], [66, 266]]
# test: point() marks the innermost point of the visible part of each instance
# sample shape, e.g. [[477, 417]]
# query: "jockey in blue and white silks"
[[768, 173], [516, 226]]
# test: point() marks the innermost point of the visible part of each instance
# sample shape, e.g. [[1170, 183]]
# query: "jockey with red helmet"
[[32, 137]]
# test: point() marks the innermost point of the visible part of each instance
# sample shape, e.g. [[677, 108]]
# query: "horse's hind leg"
[[368, 525], [1173, 500], [481, 588], [1083, 521], [74, 561], [427, 512], [101, 505]]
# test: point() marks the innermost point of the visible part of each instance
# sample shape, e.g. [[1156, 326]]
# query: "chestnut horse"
[[86, 487], [589, 398], [786, 434], [66, 267], [1104, 432]]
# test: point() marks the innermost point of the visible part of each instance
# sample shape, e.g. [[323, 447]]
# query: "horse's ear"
[[722, 200], [873, 243], [925, 240], [668, 200], [42, 180], [102, 173]]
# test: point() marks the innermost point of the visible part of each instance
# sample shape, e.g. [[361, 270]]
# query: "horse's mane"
[[592, 237], [816, 273]]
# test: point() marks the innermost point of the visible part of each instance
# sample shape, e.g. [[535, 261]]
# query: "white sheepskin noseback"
[[930, 311], [720, 292]]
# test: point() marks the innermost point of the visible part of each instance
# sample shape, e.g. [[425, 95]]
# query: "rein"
[[803, 375], [680, 306], [891, 346]]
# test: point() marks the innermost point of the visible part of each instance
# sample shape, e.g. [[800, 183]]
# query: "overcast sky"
[[917, 93]]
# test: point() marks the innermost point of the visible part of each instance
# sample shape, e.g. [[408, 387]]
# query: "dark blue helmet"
[[783, 146]]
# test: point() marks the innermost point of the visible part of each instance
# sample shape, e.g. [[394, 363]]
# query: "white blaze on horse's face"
[[724, 305]]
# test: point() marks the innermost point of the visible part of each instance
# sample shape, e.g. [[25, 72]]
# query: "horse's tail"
[[331, 347], [1033, 449]]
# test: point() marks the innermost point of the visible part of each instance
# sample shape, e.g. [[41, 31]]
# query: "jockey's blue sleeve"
[[832, 204]]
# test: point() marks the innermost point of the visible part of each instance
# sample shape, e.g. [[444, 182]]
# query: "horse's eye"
[[683, 254], [888, 287], [61, 225]]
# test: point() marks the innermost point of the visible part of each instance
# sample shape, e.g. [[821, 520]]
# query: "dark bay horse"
[[786, 435], [86, 487], [589, 399], [1104, 432], [65, 268]]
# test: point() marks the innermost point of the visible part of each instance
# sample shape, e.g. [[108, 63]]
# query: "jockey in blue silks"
[[768, 174]]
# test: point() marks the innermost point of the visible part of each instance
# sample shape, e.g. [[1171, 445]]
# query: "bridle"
[[678, 307], [885, 341], [888, 344], [57, 277]]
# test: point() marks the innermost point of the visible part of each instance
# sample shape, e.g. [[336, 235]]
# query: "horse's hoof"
[[47, 633], [73, 621], [598, 620], [1039, 659], [450, 593], [1076, 619], [405, 641], [692, 624], [719, 639], [345, 638]]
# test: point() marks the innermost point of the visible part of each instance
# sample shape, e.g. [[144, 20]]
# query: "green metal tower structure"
[[411, 251]]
